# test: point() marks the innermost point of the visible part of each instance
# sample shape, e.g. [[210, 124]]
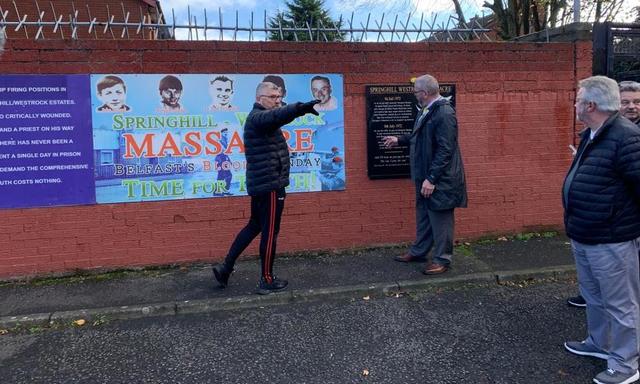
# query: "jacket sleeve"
[[404, 139], [445, 138], [629, 164], [272, 119]]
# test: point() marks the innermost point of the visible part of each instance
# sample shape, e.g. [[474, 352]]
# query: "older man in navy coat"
[[438, 175]]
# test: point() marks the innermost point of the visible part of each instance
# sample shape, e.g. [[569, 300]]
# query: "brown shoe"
[[409, 258], [435, 269]]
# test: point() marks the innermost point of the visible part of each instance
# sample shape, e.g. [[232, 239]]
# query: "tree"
[[520, 17], [310, 19], [458, 8]]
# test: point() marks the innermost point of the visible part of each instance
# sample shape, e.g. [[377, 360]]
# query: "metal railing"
[[616, 50], [153, 23]]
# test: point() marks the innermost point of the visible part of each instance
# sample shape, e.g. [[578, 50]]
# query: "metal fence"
[[48, 21], [616, 50]]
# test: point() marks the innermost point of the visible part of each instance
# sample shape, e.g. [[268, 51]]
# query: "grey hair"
[[428, 84], [629, 86], [602, 91], [265, 85]]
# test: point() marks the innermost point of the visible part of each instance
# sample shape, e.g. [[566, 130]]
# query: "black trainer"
[[577, 301], [221, 274], [265, 288]]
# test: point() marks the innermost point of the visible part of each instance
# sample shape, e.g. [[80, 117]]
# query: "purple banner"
[[46, 153]]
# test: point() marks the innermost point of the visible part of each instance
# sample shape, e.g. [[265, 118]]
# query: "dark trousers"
[[434, 229], [266, 211]]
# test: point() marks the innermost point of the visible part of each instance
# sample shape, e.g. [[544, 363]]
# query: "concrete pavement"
[[369, 272]]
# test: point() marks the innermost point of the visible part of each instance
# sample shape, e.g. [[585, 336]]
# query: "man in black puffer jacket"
[[629, 108], [601, 198], [267, 174]]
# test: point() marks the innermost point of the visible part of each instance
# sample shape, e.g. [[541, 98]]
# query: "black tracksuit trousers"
[[266, 211]]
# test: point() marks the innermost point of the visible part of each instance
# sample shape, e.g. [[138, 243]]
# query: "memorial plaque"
[[391, 111]]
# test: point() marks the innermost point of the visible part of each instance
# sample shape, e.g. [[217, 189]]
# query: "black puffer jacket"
[[266, 149], [602, 202], [435, 155]]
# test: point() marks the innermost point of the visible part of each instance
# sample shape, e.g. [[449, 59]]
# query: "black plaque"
[[391, 111]]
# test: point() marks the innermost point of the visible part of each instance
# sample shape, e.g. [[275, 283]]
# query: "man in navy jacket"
[[601, 199], [629, 108]]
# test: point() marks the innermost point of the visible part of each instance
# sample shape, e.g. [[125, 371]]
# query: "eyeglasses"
[[272, 97], [582, 101], [418, 92]]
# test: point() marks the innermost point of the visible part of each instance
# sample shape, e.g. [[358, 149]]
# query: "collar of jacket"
[[439, 102], [434, 106], [605, 126]]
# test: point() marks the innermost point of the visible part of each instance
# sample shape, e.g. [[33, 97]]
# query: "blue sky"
[[360, 9], [438, 9]]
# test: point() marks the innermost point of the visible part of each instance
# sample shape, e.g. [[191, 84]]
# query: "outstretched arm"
[[272, 119]]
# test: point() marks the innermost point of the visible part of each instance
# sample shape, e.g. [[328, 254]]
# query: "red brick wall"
[[515, 108], [87, 10]]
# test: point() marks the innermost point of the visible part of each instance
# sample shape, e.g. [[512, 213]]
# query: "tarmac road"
[[465, 334]]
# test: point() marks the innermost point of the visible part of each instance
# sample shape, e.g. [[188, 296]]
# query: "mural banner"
[[162, 137]]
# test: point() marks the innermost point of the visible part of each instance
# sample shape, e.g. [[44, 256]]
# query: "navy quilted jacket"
[[602, 202]]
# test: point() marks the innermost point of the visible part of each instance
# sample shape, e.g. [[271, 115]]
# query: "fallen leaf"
[[80, 322], [503, 238], [365, 372], [3, 332], [366, 298]]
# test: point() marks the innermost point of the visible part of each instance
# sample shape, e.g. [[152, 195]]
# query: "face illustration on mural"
[[171, 97], [114, 97], [221, 91], [170, 89], [321, 90]]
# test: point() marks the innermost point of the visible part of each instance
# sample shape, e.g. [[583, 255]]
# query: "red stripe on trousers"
[[272, 224]]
